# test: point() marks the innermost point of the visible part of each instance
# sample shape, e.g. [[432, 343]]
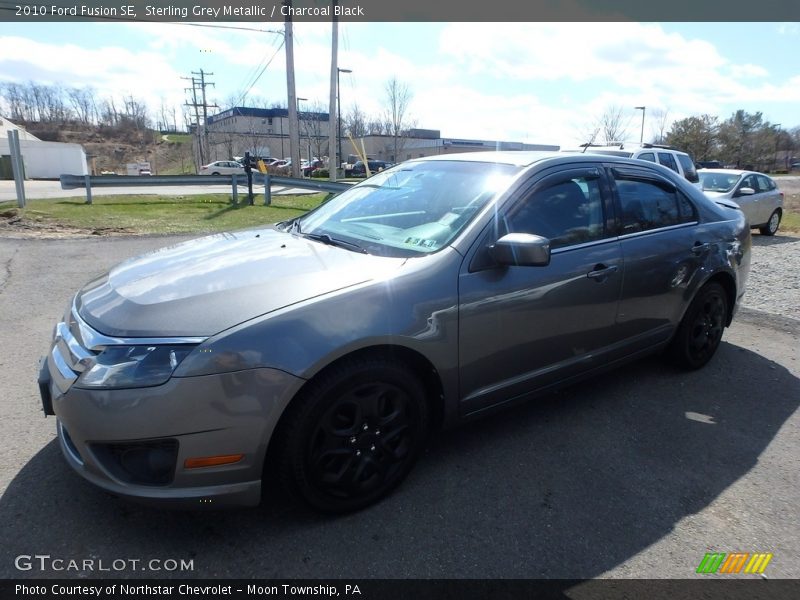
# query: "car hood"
[[201, 287]]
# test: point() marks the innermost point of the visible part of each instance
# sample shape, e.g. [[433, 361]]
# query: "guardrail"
[[71, 182]]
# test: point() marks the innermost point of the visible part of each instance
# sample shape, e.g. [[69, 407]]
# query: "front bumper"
[[162, 426]]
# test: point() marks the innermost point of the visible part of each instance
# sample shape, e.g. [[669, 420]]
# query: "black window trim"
[[550, 178], [640, 174]]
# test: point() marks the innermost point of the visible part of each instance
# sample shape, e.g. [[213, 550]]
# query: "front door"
[[522, 328]]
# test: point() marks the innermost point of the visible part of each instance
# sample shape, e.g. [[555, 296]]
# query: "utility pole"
[[333, 156], [294, 128], [199, 84], [206, 106]]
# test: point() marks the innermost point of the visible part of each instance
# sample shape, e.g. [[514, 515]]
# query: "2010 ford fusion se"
[[319, 354]]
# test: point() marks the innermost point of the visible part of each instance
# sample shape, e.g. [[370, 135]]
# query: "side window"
[[567, 213], [687, 211], [764, 184], [647, 156], [647, 205], [689, 170], [748, 182], [665, 158]]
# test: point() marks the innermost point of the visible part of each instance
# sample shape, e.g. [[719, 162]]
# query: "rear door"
[[749, 203], [522, 328], [769, 197], [663, 247]]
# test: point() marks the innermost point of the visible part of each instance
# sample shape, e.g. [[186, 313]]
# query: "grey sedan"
[[755, 193], [318, 355]]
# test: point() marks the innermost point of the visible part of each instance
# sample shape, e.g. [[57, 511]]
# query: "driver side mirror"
[[745, 191], [521, 249]]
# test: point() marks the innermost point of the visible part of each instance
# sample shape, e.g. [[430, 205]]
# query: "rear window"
[[688, 168]]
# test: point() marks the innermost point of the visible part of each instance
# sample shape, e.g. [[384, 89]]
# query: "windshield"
[[410, 210], [718, 182]]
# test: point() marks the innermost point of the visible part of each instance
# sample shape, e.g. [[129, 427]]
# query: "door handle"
[[700, 248], [602, 271]]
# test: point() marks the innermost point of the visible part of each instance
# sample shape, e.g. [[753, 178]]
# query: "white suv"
[[678, 161]]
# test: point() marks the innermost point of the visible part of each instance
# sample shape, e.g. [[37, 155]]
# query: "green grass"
[[163, 214], [790, 222], [179, 138]]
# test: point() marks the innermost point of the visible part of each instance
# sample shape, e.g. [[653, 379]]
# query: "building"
[[265, 132], [41, 160]]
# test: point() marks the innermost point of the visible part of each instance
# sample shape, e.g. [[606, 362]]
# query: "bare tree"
[[659, 121], [314, 131], [355, 122], [398, 98], [611, 125]]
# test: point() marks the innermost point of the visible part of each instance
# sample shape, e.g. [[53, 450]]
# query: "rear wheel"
[[700, 331], [353, 435], [771, 228]]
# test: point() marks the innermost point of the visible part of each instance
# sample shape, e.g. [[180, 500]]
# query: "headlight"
[[133, 366]]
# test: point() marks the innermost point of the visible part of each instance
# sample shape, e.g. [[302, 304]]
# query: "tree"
[[695, 135], [313, 130], [611, 127], [740, 142], [659, 119], [82, 100], [398, 98], [355, 122]]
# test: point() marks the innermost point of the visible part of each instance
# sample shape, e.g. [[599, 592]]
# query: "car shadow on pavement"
[[774, 240], [568, 486]]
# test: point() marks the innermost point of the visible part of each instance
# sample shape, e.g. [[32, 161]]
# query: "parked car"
[[223, 167], [309, 168], [708, 164], [678, 161], [320, 354], [755, 193], [375, 166]]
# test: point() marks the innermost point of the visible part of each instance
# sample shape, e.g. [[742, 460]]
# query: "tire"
[[352, 435], [215, 173], [700, 331], [771, 227]]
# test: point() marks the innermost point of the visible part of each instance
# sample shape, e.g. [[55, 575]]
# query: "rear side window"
[[647, 156], [647, 205], [665, 158], [688, 168], [765, 184]]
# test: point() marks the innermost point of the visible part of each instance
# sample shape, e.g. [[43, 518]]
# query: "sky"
[[524, 82]]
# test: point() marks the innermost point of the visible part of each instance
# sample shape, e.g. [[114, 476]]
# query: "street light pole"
[[641, 108], [300, 132], [339, 112]]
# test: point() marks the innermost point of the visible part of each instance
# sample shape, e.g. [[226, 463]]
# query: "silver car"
[[223, 167], [318, 355], [755, 193]]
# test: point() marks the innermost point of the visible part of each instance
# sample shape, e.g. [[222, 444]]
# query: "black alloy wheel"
[[354, 435], [700, 332]]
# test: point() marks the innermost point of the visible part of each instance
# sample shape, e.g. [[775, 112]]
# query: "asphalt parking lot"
[[637, 474]]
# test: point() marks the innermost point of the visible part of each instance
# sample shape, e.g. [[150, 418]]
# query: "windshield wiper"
[[332, 241]]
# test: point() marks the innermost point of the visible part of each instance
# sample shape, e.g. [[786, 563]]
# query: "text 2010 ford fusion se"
[[318, 355]]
